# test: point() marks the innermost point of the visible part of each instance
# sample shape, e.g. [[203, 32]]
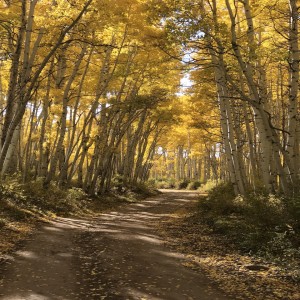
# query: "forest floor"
[[239, 275], [152, 249]]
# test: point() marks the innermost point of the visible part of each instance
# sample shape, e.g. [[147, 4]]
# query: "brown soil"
[[117, 255]]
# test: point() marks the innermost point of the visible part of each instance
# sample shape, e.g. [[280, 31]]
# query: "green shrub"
[[257, 223], [75, 194], [118, 184], [220, 200], [266, 211], [292, 206], [193, 185], [253, 240], [143, 189], [163, 183], [181, 185], [2, 222], [53, 198], [209, 185]]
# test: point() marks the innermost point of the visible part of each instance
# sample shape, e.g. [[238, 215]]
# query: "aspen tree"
[[293, 110], [27, 78]]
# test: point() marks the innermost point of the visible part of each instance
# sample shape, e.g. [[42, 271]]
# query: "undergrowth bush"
[[292, 206], [118, 184], [208, 185], [163, 183], [136, 191], [182, 184], [257, 223], [172, 183], [143, 189], [220, 200], [3, 222], [267, 211], [34, 197], [194, 185]]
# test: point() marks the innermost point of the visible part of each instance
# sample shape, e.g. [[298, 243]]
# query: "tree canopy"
[[90, 91]]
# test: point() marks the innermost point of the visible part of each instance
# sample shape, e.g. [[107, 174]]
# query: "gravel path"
[[118, 255]]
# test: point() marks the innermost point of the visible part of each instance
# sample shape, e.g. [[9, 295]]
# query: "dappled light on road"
[[117, 255]]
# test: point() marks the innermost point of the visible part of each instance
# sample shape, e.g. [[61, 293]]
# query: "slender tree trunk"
[[293, 113], [63, 120]]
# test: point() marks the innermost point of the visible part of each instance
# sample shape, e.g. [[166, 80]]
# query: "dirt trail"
[[115, 256]]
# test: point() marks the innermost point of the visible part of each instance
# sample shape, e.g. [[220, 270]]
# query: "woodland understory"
[[101, 98]]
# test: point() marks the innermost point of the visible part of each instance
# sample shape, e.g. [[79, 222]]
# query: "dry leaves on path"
[[242, 276]]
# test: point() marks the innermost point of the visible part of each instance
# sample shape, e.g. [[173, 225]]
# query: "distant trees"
[[189, 149]]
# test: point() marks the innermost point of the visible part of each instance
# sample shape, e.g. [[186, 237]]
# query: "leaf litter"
[[240, 275]]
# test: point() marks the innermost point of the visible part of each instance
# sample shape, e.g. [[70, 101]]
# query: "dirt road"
[[118, 255]]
